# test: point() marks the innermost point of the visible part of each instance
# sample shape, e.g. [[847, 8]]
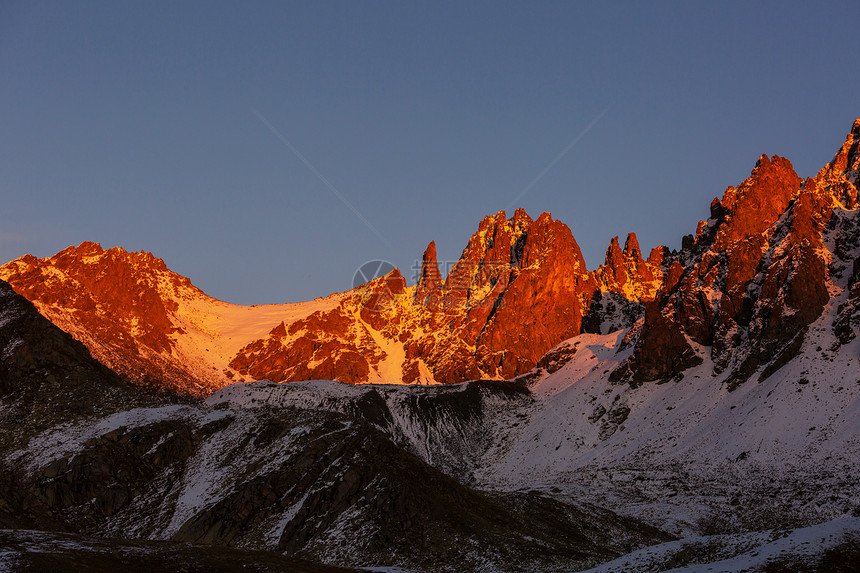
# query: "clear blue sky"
[[162, 126]]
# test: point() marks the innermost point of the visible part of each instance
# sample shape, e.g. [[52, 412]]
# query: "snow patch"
[[737, 553]]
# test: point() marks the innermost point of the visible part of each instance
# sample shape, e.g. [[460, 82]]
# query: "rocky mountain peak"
[[430, 279], [521, 218], [755, 277], [489, 257], [120, 303], [545, 240], [544, 291], [625, 271], [757, 203], [631, 247], [657, 256], [614, 256], [85, 248], [841, 176]]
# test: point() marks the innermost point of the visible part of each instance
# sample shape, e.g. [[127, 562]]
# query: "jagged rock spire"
[[626, 272], [430, 280]]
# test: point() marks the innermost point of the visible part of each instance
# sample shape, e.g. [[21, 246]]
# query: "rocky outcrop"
[[541, 303], [841, 176], [754, 276], [519, 288], [121, 305], [627, 273], [429, 286], [662, 351], [625, 282], [843, 231], [317, 347], [316, 481], [755, 205], [703, 299], [339, 344]]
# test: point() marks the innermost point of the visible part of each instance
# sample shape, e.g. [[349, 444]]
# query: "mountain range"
[[519, 288], [695, 407]]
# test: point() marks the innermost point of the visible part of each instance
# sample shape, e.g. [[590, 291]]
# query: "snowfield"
[[740, 552], [669, 450], [775, 460], [676, 454], [767, 470]]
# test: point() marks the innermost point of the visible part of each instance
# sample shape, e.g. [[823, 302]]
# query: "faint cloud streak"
[[558, 158], [321, 177]]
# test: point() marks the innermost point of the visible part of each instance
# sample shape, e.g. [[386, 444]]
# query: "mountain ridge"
[[519, 288], [349, 336]]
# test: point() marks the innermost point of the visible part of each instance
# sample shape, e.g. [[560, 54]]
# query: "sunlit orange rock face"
[[518, 290], [707, 293], [753, 278], [625, 271], [320, 351], [429, 287], [520, 287], [117, 303], [742, 291]]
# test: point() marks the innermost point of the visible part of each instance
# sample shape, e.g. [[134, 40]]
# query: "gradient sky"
[[178, 127]]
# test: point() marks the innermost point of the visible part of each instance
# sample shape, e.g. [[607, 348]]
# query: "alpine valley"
[[693, 410]]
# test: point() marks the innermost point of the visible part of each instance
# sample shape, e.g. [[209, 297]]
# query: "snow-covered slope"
[[687, 456], [830, 546], [681, 454], [450, 426], [313, 477]]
